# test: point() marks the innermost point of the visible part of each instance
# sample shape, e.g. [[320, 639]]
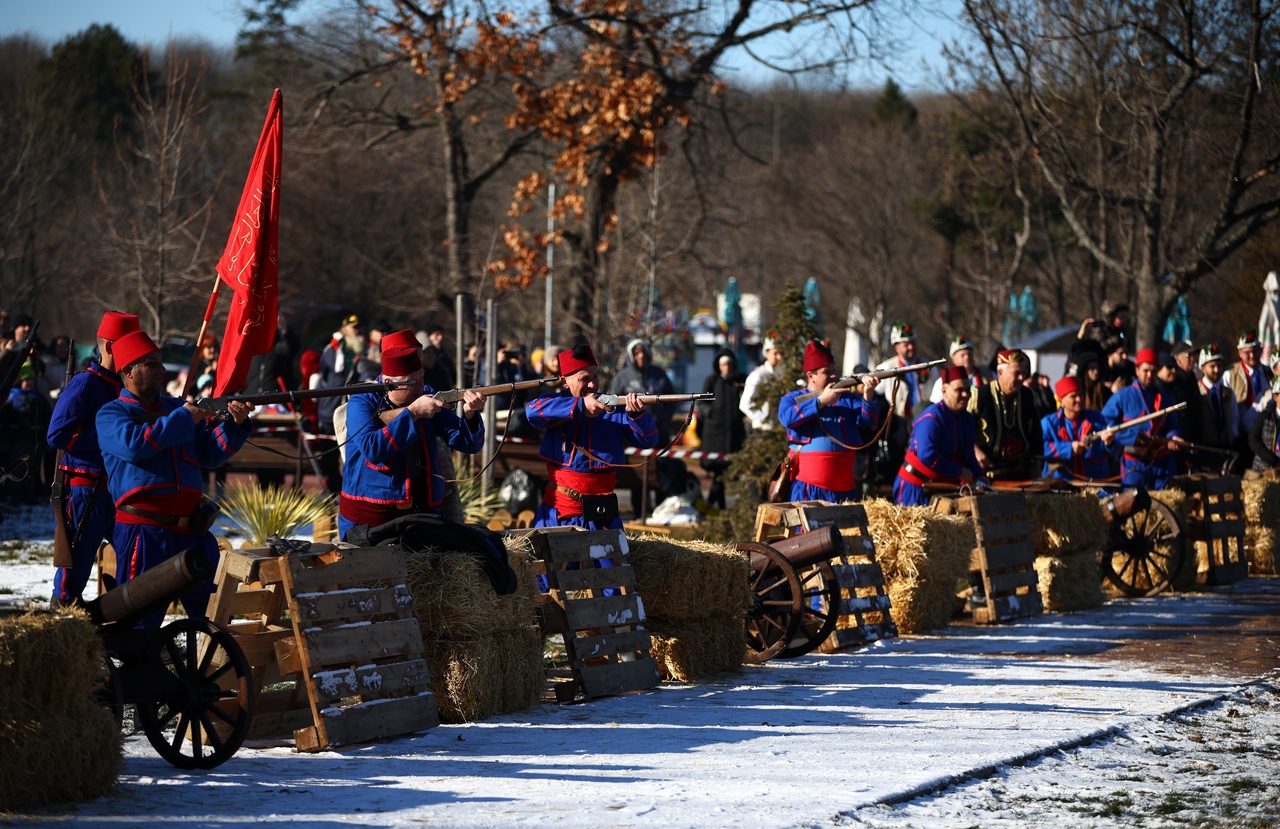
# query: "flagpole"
[[204, 327]]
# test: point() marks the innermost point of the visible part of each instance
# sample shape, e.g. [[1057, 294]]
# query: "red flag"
[[249, 265]]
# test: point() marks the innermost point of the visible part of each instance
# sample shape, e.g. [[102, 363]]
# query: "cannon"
[[1144, 552], [796, 593], [188, 681]]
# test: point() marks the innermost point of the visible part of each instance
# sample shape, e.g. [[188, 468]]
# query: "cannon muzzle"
[[1119, 507], [813, 547], [153, 590]]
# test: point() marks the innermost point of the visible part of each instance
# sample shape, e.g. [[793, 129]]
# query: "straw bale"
[[453, 599], [1197, 556], [1261, 544], [923, 554], [1069, 582], [691, 651], [1261, 502], [474, 679], [1062, 524], [56, 743], [690, 580]]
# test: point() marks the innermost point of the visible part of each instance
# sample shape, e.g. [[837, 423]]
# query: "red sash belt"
[[74, 478], [829, 470], [582, 483], [914, 471], [178, 504]]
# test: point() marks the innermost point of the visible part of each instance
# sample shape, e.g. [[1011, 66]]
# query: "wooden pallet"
[[332, 632], [598, 610], [1215, 518], [864, 603], [1004, 558]]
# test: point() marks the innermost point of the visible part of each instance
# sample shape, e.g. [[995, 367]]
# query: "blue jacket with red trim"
[[572, 439], [1135, 401], [942, 441], [812, 429], [378, 454], [165, 456], [1060, 432], [74, 427]]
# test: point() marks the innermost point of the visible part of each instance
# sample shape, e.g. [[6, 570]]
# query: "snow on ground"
[[1073, 738]]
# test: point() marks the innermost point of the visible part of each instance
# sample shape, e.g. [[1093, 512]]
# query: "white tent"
[[1269, 320]]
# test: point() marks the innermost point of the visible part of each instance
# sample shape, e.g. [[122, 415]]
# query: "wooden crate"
[[598, 610], [1215, 518], [1004, 558], [863, 606], [332, 629]]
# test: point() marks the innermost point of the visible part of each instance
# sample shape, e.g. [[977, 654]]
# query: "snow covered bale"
[[474, 679], [1062, 524], [690, 580], [698, 650], [57, 744], [1069, 582], [453, 599], [923, 555]]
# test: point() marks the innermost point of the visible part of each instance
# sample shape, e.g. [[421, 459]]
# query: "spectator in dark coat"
[[720, 425]]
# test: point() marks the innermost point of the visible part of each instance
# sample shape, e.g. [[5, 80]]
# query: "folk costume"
[[1061, 431], [1250, 385], [394, 469], [1264, 437], [581, 453], [958, 343], [153, 457], [821, 439], [1008, 426], [941, 446], [73, 428], [1143, 463], [1219, 412]]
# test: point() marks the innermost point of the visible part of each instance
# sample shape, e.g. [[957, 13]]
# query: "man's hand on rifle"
[[634, 406], [593, 407], [426, 407], [239, 411], [828, 396], [198, 415], [472, 402], [869, 384]]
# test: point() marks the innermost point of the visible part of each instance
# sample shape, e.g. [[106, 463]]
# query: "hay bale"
[[1069, 582], [690, 580], [923, 554], [698, 650], [1261, 502], [1260, 542], [1063, 524], [474, 679], [56, 743], [453, 599], [1197, 562]]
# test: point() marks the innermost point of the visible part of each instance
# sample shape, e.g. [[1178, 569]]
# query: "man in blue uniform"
[[825, 426], [87, 508], [941, 448], [1145, 460], [154, 448], [1066, 457], [584, 442], [393, 460]]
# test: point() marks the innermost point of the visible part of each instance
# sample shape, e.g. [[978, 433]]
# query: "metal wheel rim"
[[773, 620], [818, 586], [204, 658], [1151, 555]]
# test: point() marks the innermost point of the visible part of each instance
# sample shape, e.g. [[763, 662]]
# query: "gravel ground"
[[1214, 766]]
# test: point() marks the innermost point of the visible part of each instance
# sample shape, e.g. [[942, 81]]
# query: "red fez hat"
[[571, 362], [1147, 355], [399, 338], [400, 361], [952, 373], [1009, 355], [816, 355], [1065, 386], [115, 325], [132, 347]]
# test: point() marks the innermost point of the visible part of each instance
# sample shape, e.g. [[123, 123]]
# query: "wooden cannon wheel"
[[200, 714], [819, 609], [774, 617], [1144, 553]]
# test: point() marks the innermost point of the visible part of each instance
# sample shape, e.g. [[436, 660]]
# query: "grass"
[[256, 512]]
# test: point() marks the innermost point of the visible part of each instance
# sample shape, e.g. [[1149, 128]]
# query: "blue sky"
[[153, 21]]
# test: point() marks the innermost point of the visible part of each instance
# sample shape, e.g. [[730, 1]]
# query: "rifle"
[[59, 493], [852, 380], [454, 395], [11, 375], [614, 400], [1093, 438], [219, 404]]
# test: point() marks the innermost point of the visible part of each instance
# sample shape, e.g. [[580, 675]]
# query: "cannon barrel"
[[1119, 507], [813, 547], [153, 590]]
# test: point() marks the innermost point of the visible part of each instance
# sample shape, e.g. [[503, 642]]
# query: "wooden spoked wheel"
[[819, 609], [1145, 552], [774, 617]]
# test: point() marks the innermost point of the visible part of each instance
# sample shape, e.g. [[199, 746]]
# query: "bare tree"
[[1152, 123]]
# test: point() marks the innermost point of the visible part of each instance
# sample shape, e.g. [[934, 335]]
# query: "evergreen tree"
[[87, 83], [892, 108]]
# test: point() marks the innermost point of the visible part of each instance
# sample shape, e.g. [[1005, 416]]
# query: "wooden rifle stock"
[[454, 395], [613, 400], [845, 383], [1091, 439]]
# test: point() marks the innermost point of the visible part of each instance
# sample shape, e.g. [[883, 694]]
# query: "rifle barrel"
[[454, 395]]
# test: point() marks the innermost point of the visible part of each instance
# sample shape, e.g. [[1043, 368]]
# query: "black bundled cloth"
[[414, 532]]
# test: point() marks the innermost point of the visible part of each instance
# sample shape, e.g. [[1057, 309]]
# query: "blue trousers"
[[139, 547], [98, 515], [548, 517]]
